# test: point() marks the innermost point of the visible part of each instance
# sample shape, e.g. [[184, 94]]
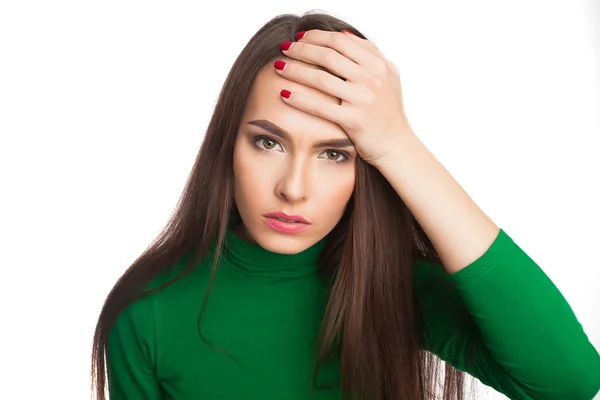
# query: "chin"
[[283, 243]]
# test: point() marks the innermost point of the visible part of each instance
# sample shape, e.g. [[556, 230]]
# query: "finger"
[[367, 44], [343, 44], [329, 111], [393, 68], [327, 58], [319, 79]]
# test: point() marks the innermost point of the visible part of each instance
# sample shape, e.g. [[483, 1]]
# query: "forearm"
[[458, 229]]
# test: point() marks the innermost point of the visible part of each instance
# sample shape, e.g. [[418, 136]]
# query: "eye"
[[268, 144], [335, 156]]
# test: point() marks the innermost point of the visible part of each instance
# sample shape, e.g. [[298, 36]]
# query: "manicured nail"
[[300, 35], [286, 93], [347, 31], [285, 45], [279, 64]]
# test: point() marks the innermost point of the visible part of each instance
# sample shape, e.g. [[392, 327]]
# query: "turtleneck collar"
[[253, 259]]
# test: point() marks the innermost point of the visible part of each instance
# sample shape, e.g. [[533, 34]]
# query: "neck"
[[243, 253]]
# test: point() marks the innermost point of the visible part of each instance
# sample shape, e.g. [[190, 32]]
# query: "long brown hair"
[[371, 318]]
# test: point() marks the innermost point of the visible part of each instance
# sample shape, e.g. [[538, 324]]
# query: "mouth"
[[285, 220], [283, 217], [284, 223]]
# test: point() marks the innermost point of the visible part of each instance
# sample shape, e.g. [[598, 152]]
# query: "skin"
[[273, 174], [372, 115]]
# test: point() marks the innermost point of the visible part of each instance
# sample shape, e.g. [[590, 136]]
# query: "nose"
[[293, 185]]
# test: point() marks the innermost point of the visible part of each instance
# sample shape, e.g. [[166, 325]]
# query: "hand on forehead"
[[265, 103], [296, 86]]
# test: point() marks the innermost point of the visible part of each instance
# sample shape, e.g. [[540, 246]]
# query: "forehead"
[[265, 102]]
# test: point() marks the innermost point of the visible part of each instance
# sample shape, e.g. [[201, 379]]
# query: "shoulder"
[[140, 312], [132, 334], [178, 277], [136, 322]]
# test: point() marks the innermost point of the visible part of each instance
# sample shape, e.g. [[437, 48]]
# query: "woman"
[[320, 251]]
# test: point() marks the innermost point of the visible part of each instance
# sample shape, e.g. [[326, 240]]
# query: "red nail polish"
[[300, 35], [279, 64], [286, 93], [285, 45], [347, 31]]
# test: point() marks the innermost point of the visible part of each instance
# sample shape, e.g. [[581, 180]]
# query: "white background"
[[103, 106]]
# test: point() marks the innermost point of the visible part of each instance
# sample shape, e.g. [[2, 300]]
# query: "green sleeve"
[[503, 321], [131, 354]]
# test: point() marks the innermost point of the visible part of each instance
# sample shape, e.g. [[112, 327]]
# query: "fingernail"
[[300, 35], [279, 64], [347, 31], [285, 45], [286, 93]]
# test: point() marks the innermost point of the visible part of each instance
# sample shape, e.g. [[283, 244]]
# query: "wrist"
[[405, 149]]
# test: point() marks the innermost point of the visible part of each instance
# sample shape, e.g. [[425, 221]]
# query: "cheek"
[[251, 178], [334, 194]]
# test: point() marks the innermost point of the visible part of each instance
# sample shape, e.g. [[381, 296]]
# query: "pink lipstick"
[[285, 223]]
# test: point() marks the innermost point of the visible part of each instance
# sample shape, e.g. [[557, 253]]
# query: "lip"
[[285, 227], [281, 214]]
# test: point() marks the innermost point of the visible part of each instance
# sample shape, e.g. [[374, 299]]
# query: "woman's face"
[[291, 172]]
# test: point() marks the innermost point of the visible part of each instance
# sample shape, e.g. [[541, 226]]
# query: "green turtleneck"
[[265, 310]]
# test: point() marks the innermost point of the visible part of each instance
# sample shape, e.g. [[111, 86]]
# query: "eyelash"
[[258, 138]]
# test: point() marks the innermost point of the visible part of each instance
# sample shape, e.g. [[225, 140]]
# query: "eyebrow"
[[278, 131]]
